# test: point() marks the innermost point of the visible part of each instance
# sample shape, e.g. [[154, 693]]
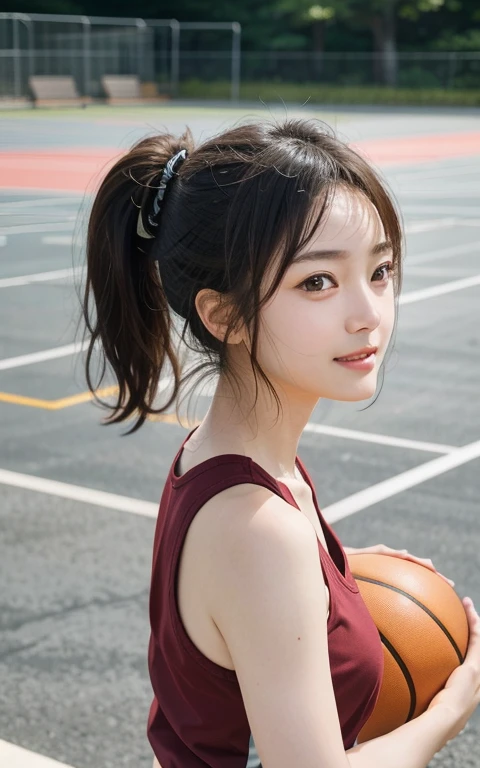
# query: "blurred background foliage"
[[304, 25]]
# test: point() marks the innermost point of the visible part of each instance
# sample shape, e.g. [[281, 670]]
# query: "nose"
[[363, 311]]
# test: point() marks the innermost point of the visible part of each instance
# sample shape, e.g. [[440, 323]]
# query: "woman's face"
[[332, 305]]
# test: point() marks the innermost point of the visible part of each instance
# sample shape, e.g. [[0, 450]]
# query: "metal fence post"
[[16, 58], [86, 55], [452, 65], [31, 46], [175, 57], [236, 54], [141, 27]]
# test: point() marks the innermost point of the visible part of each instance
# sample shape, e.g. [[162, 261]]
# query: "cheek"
[[387, 310], [294, 333]]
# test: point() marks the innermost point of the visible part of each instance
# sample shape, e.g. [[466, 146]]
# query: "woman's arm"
[[268, 601], [412, 745]]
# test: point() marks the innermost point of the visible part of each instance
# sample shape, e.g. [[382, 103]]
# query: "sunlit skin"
[[323, 309]]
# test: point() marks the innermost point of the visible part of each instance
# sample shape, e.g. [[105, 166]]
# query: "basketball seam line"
[[420, 605], [406, 674]]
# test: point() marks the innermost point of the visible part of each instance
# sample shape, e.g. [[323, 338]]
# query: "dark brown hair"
[[238, 199]]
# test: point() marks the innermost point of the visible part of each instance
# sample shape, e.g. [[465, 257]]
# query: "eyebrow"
[[377, 250]]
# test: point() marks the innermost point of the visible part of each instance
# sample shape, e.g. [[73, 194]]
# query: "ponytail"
[[130, 315]]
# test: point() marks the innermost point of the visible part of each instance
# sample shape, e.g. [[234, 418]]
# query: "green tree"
[[379, 16]]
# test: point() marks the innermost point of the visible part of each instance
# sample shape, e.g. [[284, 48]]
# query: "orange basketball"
[[424, 632]]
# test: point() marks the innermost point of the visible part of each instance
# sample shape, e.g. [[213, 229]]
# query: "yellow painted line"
[[84, 397], [55, 405]]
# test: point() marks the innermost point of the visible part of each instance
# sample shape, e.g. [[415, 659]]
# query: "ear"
[[212, 308]]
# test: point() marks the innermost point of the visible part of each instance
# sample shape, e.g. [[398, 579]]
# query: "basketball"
[[424, 633]]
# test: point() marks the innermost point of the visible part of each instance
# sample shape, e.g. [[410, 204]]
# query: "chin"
[[363, 391]]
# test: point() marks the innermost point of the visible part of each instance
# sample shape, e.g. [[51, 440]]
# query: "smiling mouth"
[[360, 355]]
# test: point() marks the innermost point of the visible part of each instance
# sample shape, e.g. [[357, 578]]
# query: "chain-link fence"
[[89, 47], [413, 70], [200, 59]]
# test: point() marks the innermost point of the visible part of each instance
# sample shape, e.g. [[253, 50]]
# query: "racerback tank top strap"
[[205, 480]]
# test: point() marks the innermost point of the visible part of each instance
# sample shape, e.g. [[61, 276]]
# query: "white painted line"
[[437, 173], [12, 756], [348, 506], [79, 493], [40, 357], [416, 227], [440, 194], [25, 229], [443, 253], [61, 240], [40, 277], [430, 224], [372, 437], [3, 241], [402, 482], [449, 210], [439, 290], [437, 271], [39, 202]]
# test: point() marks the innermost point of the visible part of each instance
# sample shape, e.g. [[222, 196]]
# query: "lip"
[[364, 364]]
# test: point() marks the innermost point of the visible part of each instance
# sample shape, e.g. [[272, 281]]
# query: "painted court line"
[[40, 277], [416, 227], [79, 493], [61, 240], [38, 202], [443, 253], [9, 282], [12, 756], [440, 290], [25, 229], [449, 210], [372, 437], [348, 506], [39, 357], [56, 405], [402, 482], [70, 349]]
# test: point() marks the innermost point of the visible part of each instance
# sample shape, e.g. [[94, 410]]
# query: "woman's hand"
[[382, 549], [461, 694]]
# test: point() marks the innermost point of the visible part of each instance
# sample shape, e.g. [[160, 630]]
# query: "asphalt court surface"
[[74, 620]]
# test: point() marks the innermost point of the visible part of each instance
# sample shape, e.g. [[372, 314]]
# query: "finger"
[[427, 563]]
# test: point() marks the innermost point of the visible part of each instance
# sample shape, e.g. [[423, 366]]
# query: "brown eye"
[[318, 282], [385, 271]]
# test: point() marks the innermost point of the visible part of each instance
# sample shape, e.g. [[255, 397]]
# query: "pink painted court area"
[[81, 169]]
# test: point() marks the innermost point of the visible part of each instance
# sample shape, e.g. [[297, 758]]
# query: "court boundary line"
[[378, 439], [40, 277], [26, 229], [407, 298], [39, 357], [14, 756], [439, 290], [60, 403], [445, 253], [396, 484], [346, 507]]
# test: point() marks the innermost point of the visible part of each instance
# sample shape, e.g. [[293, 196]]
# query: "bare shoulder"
[[256, 536], [244, 519], [242, 531]]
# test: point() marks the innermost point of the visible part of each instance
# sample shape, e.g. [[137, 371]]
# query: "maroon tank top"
[[197, 717]]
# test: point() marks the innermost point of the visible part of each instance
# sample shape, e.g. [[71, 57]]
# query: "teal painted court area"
[[79, 502]]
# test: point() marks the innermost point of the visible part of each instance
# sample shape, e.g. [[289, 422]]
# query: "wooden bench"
[[55, 91], [127, 89]]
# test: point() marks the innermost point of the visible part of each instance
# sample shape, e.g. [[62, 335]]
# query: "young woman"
[[280, 249]]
